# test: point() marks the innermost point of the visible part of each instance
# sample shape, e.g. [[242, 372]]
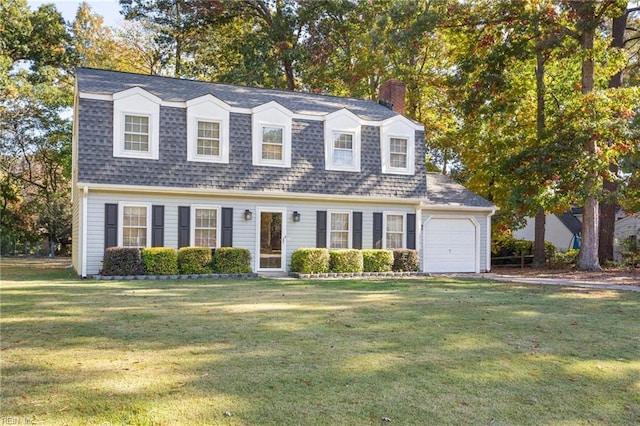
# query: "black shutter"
[[377, 230], [227, 227], [357, 230], [321, 228], [184, 231], [110, 225], [411, 231], [157, 226]]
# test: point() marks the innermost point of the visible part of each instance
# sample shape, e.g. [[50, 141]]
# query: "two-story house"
[[168, 162]]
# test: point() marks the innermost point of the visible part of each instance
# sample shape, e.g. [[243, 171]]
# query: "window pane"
[[136, 133], [208, 138], [342, 149], [398, 152], [272, 135], [343, 140], [206, 225], [339, 230], [271, 152], [398, 160], [394, 223], [395, 231], [339, 240], [134, 226], [340, 221], [342, 157]]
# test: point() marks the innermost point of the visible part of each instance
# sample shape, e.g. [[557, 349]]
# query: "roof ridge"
[[266, 89]]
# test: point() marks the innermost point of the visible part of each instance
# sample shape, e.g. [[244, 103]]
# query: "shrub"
[[159, 261], [568, 258], [630, 251], [232, 260], [345, 261], [508, 246], [194, 260], [377, 260], [122, 261], [405, 260], [310, 261]]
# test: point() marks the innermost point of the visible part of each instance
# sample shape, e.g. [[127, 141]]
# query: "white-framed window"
[[398, 153], [208, 130], [272, 146], [271, 135], [136, 124], [342, 141], [135, 225], [397, 140], [205, 226], [339, 228], [136, 133], [208, 140], [395, 230], [342, 150]]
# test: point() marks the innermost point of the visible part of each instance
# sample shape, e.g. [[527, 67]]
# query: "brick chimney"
[[392, 95]]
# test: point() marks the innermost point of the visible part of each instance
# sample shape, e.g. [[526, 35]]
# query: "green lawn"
[[266, 352]]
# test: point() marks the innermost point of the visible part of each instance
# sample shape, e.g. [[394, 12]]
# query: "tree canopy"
[[524, 102]]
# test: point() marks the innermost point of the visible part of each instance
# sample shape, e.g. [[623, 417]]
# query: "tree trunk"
[[588, 259], [608, 208], [539, 257]]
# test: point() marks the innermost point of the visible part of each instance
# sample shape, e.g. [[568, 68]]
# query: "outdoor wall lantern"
[[247, 214], [296, 217]]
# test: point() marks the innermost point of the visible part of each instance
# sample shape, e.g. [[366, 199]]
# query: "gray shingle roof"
[[442, 190], [570, 221], [173, 89]]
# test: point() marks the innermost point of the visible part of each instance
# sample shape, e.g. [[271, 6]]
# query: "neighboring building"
[[562, 230], [626, 226], [168, 162]]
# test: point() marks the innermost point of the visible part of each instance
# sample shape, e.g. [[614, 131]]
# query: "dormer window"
[[271, 135], [136, 124], [342, 155], [398, 152], [272, 143], [397, 145], [208, 142], [208, 130], [342, 143]]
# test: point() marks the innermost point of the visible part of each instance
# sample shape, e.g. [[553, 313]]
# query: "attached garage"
[[451, 244]]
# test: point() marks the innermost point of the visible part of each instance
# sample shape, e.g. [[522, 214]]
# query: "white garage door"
[[450, 245]]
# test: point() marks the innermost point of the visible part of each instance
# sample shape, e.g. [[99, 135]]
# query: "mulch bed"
[[619, 276]]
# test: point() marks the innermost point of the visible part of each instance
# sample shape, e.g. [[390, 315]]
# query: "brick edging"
[[172, 277], [359, 275]]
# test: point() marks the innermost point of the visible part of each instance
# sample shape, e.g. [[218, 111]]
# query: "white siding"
[[555, 232], [625, 227], [299, 234]]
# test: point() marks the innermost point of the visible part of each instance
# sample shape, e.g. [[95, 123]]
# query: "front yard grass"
[[267, 352]]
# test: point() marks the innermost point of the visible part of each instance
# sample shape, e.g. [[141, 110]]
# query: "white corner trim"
[[83, 231]]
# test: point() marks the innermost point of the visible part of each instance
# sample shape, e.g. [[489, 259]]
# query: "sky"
[[109, 9]]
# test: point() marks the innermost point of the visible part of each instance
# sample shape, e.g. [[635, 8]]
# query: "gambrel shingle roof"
[[180, 90]]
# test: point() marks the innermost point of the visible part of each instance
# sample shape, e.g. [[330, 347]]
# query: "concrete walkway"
[[549, 281]]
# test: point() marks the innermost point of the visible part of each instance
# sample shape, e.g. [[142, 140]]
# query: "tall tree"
[[35, 136]]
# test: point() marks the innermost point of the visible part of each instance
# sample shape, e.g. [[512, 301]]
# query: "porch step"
[[279, 275]]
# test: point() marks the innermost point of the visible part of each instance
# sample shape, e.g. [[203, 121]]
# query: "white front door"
[[271, 250]]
